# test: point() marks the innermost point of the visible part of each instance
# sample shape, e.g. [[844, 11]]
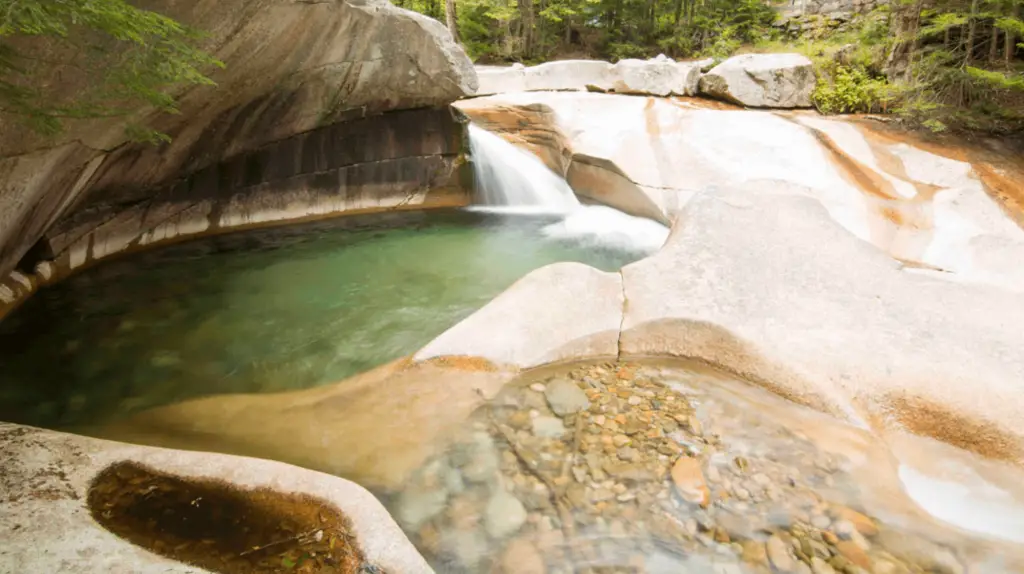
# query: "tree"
[[451, 19], [115, 58]]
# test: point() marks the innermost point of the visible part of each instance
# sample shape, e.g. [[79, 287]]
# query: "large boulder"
[[558, 75], [46, 480], [290, 67], [656, 77], [762, 81]]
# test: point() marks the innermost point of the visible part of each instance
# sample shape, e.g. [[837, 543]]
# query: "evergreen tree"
[[114, 56]]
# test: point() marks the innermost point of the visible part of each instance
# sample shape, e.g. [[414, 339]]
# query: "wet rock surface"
[[666, 470]]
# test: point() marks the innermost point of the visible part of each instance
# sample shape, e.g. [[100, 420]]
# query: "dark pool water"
[[261, 311]]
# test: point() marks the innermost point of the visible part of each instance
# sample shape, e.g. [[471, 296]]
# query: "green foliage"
[[537, 30], [851, 90], [118, 57]]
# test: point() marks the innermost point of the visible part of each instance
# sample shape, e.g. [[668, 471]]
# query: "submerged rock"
[[762, 81], [689, 481], [504, 515], [565, 397], [548, 427]]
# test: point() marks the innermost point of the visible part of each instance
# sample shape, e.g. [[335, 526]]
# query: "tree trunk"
[[972, 32], [993, 44], [678, 13], [526, 28], [905, 20], [452, 19], [1009, 41]]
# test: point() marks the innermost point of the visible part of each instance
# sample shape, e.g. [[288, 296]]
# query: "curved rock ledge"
[[400, 160], [46, 525], [769, 286], [291, 67], [648, 156]]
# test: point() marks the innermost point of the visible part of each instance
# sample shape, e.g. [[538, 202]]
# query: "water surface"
[[262, 311]]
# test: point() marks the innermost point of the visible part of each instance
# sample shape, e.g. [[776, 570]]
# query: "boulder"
[[290, 67], [655, 77], [762, 81], [46, 525], [558, 75], [569, 75], [658, 77]]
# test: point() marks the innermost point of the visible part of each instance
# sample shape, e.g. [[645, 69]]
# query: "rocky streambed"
[[634, 467]]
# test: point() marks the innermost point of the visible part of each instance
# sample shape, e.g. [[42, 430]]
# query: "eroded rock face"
[[648, 156], [769, 286], [762, 81], [398, 160], [290, 67], [45, 479]]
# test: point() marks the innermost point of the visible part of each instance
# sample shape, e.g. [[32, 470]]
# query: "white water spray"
[[512, 180], [507, 176]]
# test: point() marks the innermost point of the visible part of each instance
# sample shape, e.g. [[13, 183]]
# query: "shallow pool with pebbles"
[[671, 467]]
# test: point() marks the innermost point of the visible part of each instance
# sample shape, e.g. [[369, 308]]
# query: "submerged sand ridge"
[[584, 464]]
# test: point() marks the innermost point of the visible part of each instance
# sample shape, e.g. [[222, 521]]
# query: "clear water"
[[262, 311]]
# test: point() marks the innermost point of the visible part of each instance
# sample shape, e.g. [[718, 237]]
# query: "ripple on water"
[[265, 310]]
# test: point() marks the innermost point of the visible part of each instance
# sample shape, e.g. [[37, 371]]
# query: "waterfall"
[[511, 180], [508, 176]]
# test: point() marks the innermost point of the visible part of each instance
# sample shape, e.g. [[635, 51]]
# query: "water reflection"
[[261, 311]]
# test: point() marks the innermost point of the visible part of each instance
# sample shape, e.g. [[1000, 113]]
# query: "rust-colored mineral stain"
[[464, 363], [925, 418], [999, 164], [853, 171], [222, 528], [651, 118], [693, 103]]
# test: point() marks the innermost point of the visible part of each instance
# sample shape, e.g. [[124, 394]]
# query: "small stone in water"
[[778, 553], [819, 566], [548, 427], [538, 387], [628, 453], [504, 514], [565, 398], [820, 521], [620, 440], [635, 400], [522, 557], [689, 481]]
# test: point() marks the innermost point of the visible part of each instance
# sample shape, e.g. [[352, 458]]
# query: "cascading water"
[[512, 180], [507, 176]]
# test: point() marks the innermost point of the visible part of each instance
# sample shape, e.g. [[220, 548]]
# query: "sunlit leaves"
[[141, 58]]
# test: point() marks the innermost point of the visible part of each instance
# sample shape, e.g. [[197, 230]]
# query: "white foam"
[[600, 226], [969, 502], [511, 181]]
